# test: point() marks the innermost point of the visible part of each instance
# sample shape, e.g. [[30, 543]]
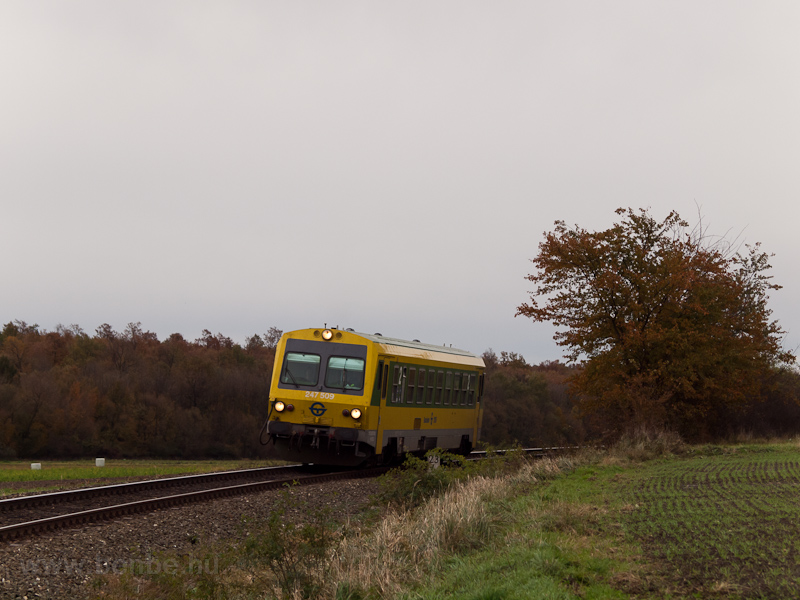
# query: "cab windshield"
[[330, 367], [300, 369], [345, 373]]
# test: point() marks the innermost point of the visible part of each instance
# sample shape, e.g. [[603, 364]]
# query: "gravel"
[[68, 563]]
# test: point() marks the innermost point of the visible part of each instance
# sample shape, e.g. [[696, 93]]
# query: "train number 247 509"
[[320, 395]]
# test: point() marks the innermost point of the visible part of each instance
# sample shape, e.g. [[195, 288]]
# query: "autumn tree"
[[670, 325]]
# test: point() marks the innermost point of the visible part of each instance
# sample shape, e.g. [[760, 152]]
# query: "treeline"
[[529, 404], [67, 393], [537, 405]]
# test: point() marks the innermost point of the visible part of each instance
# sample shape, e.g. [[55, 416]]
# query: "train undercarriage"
[[345, 447]]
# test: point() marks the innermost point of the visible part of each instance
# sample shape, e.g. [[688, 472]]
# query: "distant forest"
[[66, 393]]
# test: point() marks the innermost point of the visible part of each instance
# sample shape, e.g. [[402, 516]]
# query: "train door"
[[385, 387]]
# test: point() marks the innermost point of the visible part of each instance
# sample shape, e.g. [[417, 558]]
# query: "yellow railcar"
[[344, 398]]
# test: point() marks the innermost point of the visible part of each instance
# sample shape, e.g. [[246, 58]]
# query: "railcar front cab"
[[320, 407]]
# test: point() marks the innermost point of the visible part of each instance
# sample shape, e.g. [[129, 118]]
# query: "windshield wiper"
[[288, 371]]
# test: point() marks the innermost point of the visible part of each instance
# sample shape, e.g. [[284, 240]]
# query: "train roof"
[[408, 348], [389, 341]]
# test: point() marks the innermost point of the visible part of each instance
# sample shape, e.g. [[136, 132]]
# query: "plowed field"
[[722, 525]]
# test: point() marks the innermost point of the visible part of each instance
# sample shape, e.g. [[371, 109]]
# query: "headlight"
[[327, 335], [356, 413], [280, 406]]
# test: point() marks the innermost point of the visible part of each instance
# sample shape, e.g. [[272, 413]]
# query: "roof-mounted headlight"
[[327, 335]]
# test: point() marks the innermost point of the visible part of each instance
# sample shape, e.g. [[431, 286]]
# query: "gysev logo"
[[318, 409]]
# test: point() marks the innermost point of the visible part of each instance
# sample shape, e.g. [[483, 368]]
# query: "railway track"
[[29, 515], [535, 452], [152, 487], [24, 516]]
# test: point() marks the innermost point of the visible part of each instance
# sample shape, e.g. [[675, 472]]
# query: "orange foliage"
[[65, 393], [672, 329]]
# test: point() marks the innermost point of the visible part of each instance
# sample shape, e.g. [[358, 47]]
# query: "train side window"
[[397, 384], [431, 386], [448, 387], [480, 387], [456, 388], [421, 390], [471, 390], [411, 386], [439, 387]]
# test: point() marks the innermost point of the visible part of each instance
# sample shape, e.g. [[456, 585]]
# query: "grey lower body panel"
[[427, 439]]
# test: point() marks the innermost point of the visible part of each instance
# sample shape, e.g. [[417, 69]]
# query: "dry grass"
[[647, 444], [545, 468], [408, 546]]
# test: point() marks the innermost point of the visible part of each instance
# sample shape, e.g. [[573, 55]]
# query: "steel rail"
[[20, 502], [534, 451], [19, 530]]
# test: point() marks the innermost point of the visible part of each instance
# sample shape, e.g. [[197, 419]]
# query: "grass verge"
[[510, 536]]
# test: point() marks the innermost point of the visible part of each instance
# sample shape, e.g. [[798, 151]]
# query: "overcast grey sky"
[[386, 166]]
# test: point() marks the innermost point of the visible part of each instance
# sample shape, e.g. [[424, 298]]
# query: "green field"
[[725, 521]]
